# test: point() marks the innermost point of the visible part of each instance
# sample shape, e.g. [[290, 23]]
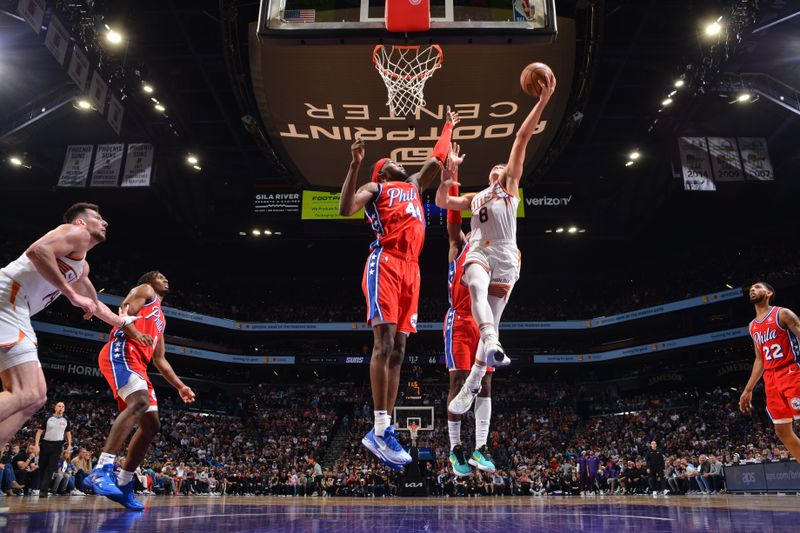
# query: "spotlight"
[[197, 167], [147, 88], [714, 28], [582, 230], [560, 230], [256, 232], [191, 159], [666, 102], [243, 234], [670, 95], [113, 37], [573, 229], [629, 163], [15, 161], [159, 107], [743, 98], [679, 83], [83, 104], [634, 155], [548, 231], [154, 100], [267, 232]]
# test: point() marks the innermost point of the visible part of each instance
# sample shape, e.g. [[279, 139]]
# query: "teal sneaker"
[[480, 459], [460, 466]]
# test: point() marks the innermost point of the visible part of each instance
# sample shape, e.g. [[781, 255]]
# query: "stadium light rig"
[[113, 37], [147, 88], [714, 28]]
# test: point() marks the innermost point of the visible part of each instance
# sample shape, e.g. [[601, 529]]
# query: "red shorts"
[[120, 363], [461, 338], [783, 394], [391, 287]]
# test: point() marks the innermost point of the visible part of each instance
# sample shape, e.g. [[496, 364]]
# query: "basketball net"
[[404, 70], [413, 428]]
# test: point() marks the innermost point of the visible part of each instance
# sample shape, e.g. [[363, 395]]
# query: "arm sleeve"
[[443, 144], [453, 217]]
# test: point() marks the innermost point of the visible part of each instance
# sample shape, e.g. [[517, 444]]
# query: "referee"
[[51, 447]]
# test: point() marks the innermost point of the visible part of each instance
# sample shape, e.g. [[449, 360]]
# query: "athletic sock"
[[483, 414], [473, 381], [454, 430], [124, 478], [105, 459], [382, 421]]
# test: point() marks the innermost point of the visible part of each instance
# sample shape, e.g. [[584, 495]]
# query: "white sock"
[[454, 430], [105, 459], [483, 414], [124, 478], [473, 381], [382, 421]]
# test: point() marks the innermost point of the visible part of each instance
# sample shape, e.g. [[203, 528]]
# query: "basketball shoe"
[[390, 447], [480, 459], [495, 355], [460, 466], [463, 400], [370, 444], [101, 481], [127, 498]]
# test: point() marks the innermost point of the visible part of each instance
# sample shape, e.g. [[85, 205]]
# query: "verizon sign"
[[548, 201]]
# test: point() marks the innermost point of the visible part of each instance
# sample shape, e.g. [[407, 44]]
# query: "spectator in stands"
[[8, 481], [704, 470], [26, 469], [64, 476], [715, 476], [83, 465]]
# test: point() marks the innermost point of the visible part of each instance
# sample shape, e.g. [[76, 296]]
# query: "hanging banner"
[[138, 165], [33, 13], [725, 159], [755, 158], [79, 68], [107, 165], [76, 165], [97, 92], [57, 40], [695, 164], [115, 112]]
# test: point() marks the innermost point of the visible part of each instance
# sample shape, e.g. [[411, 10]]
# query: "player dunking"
[[493, 262], [775, 332], [124, 365], [53, 265], [391, 275], [462, 341]]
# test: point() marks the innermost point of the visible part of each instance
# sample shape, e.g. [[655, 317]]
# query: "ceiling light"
[[679, 83], [155, 101], [267, 232], [113, 37], [582, 230], [666, 102], [191, 159], [548, 231], [159, 107], [714, 28], [15, 161], [256, 232], [83, 104], [243, 234], [635, 155], [744, 97], [672, 94], [147, 88], [573, 229], [629, 163], [560, 230], [197, 167]]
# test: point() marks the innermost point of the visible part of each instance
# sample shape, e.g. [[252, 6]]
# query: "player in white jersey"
[[53, 265], [493, 261]]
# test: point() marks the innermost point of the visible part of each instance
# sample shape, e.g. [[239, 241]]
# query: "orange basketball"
[[532, 75]]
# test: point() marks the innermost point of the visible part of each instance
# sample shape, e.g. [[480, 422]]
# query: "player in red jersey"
[[775, 331], [124, 365], [462, 340], [391, 276]]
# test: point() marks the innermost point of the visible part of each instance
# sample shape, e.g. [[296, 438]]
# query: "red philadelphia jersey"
[[153, 323], [397, 218], [778, 346], [457, 292]]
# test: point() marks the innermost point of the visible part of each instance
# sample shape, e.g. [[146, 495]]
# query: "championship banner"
[[79, 68], [57, 40], [319, 205], [138, 165], [98, 91], [33, 13], [115, 112], [76, 165], [277, 202], [755, 157], [725, 159], [107, 165], [695, 164]]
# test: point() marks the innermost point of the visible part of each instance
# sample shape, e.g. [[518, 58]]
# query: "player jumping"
[[391, 276]]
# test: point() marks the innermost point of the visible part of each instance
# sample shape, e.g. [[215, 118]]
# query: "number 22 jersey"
[[777, 345]]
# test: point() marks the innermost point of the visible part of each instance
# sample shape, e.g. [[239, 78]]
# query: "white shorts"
[[501, 259], [17, 339]]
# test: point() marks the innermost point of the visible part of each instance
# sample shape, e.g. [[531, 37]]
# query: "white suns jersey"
[[38, 291], [494, 215]]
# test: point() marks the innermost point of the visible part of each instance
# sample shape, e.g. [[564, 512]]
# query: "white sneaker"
[[463, 400], [76, 492], [390, 448]]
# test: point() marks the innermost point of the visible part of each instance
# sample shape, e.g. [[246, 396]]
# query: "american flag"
[[300, 15]]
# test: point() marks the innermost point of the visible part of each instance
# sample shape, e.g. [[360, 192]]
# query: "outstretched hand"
[[452, 117], [357, 149], [454, 160], [547, 89]]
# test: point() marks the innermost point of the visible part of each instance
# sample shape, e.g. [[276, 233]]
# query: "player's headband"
[[378, 168]]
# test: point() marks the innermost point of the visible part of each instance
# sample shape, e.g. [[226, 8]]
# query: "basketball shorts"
[[783, 394], [461, 338], [17, 339], [391, 288], [120, 363], [501, 259]]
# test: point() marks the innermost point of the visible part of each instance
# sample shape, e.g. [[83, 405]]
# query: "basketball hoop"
[[413, 428], [404, 70]]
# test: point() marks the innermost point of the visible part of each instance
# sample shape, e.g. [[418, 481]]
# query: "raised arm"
[[163, 366], [455, 236], [444, 200], [351, 200], [516, 158], [424, 177], [746, 399]]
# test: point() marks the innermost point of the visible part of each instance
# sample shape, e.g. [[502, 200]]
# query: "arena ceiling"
[[192, 54]]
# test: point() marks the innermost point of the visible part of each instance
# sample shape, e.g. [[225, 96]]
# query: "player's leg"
[[483, 414], [395, 363], [457, 456], [788, 437], [383, 345], [781, 409], [24, 387], [477, 278], [149, 426]]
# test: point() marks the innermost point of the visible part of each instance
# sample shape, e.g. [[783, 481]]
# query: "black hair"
[[148, 277], [770, 288], [78, 209]]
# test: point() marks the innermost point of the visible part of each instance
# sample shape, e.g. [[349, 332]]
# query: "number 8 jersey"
[[494, 215], [777, 345]]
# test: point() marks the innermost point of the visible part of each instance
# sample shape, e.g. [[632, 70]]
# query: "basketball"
[[532, 75]]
